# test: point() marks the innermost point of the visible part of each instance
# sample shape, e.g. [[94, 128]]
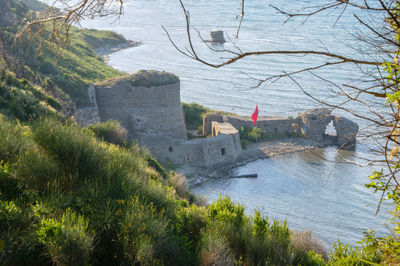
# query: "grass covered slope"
[[71, 68], [68, 68], [67, 198], [20, 99]]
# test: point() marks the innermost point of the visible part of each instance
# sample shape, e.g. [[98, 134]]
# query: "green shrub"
[[13, 140], [12, 217], [78, 155], [39, 172], [306, 242], [110, 131], [147, 237], [20, 99], [9, 188], [271, 241], [179, 183], [193, 113], [251, 134], [216, 250], [344, 255], [153, 163], [227, 229], [67, 240], [78, 199], [190, 221], [226, 211]]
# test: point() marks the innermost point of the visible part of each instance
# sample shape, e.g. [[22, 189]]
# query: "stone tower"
[[147, 104]]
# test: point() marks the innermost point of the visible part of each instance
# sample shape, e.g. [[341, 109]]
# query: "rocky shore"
[[255, 151], [104, 52]]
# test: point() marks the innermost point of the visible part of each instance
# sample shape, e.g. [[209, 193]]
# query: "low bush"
[[153, 163], [252, 134], [179, 183], [75, 200], [110, 131], [305, 241], [67, 241], [20, 99], [193, 113]]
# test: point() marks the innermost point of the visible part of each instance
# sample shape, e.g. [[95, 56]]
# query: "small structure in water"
[[217, 36]]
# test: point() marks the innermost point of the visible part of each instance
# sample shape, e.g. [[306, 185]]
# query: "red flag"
[[254, 116]]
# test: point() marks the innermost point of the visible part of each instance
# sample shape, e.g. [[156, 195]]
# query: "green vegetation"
[[249, 135], [194, 115], [145, 78], [67, 68], [110, 131], [70, 69], [252, 134], [84, 196], [68, 198], [98, 39], [20, 99], [33, 4]]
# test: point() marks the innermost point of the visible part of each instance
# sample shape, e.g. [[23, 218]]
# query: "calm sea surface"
[[313, 190]]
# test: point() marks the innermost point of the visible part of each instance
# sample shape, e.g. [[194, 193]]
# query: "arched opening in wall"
[[213, 132], [330, 129], [187, 157], [330, 134], [170, 149], [223, 151]]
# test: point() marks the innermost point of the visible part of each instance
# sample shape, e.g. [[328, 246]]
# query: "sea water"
[[317, 190]]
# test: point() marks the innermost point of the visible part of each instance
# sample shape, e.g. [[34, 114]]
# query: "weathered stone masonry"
[[148, 105], [310, 124]]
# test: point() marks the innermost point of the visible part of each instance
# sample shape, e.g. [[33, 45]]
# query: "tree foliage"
[[377, 61]]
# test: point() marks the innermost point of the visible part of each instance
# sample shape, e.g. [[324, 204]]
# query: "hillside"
[[63, 72], [84, 196]]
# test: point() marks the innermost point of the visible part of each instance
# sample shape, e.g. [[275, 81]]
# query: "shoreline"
[[106, 51], [254, 152]]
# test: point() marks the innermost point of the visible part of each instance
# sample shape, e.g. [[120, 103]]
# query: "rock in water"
[[217, 36]]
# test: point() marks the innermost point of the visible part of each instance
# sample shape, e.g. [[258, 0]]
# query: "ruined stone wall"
[[310, 124], [272, 125], [222, 149], [315, 122], [88, 115], [210, 152], [207, 120], [148, 105], [346, 131]]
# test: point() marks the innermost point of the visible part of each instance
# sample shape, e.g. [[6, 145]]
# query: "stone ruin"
[[314, 122], [310, 125], [217, 37], [148, 106]]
